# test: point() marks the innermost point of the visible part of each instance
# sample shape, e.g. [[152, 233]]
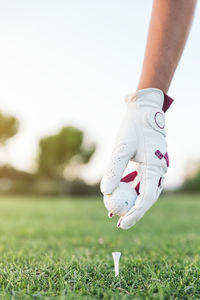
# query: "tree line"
[[58, 162]]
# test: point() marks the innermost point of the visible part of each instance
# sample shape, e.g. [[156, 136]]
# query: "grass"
[[61, 249]]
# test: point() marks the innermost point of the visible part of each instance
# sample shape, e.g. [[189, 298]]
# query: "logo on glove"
[[160, 156], [159, 120]]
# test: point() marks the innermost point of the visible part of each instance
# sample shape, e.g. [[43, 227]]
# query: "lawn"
[[61, 249]]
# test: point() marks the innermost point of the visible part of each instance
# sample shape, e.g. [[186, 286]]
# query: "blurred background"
[[65, 69]]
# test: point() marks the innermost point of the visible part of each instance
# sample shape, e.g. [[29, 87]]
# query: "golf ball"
[[121, 200]]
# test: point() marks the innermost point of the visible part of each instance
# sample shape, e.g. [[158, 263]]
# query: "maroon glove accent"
[[137, 188], [167, 102], [130, 177]]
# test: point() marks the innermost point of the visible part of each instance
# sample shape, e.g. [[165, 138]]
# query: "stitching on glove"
[[110, 173]]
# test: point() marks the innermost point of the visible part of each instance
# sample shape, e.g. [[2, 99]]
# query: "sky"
[[73, 62]]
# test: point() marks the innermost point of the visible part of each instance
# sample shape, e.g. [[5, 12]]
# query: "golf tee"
[[116, 257]]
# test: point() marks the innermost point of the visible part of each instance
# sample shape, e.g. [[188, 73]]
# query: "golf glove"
[[142, 139]]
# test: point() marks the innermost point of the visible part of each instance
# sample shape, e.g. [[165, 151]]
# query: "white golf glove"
[[141, 138]]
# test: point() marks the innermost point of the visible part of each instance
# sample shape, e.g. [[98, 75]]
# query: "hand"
[[141, 138]]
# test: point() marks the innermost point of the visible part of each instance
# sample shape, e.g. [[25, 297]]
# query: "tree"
[[8, 127], [58, 152], [192, 185]]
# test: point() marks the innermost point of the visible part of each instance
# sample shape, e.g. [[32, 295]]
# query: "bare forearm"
[[169, 28]]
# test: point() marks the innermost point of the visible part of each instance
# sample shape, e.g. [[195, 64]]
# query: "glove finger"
[[149, 192], [121, 155], [130, 178]]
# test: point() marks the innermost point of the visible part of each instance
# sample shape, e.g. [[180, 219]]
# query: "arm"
[[168, 32]]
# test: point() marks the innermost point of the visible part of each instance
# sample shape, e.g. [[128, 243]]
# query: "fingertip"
[[119, 222], [120, 225], [127, 223], [110, 214]]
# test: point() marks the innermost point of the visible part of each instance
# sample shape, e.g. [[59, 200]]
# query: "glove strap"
[[167, 102]]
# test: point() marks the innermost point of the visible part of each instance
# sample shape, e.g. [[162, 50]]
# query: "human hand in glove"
[[142, 139]]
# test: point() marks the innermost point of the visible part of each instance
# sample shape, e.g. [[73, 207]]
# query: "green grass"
[[61, 249]]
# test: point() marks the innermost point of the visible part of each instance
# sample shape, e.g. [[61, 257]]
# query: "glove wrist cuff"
[[151, 96]]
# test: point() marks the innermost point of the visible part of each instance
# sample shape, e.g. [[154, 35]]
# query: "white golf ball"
[[121, 200]]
